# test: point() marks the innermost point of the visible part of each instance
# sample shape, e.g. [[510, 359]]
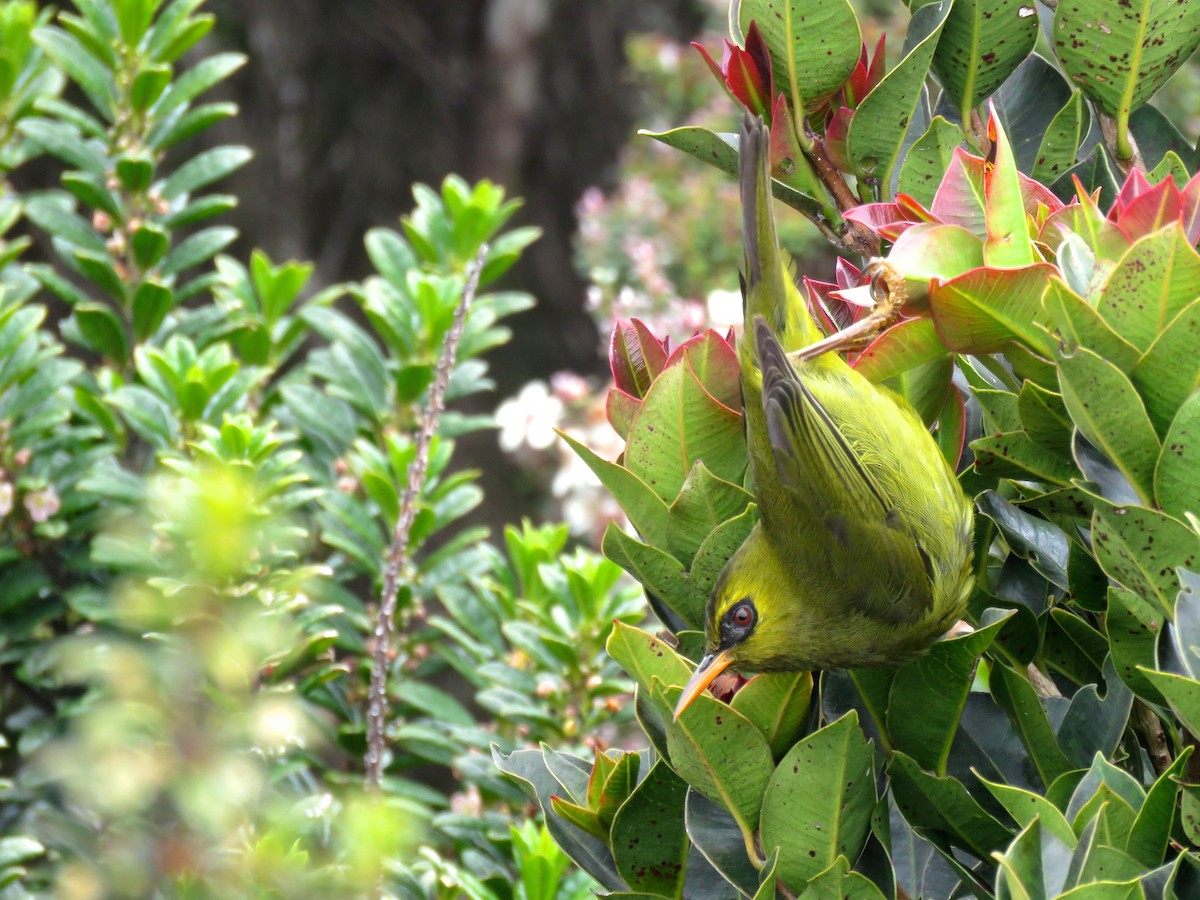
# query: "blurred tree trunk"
[[348, 103]]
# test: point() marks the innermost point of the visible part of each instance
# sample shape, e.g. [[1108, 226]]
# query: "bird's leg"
[[890, 294]]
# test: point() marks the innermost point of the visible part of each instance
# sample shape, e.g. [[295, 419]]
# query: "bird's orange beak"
[[710, 667]]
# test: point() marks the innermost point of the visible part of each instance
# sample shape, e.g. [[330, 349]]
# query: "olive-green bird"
[[862, 552]]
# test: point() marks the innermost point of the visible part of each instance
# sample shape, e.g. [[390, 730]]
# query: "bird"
[[862, 554]]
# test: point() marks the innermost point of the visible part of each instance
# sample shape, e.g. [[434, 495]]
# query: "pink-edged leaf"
[[756, 48], [1035, 194], [904, 346], [636, 356], [960, 198], [816, 294], [878, 67], [620, 408], [717, 71], [1008, 242], [1135, 185], [848, 275], [715, 364], [678, 423], [912, 209], [885, 219], [783, 139], [1151, 210], [982, 310], [928, 251], [837, 132], [746, 82], [1105, 239], [1190, 209], [855, 87]]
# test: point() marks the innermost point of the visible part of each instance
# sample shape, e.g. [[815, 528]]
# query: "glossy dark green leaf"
[[944, 805], [882, 118], [777, 702], [648, 841], [1169, 371], [1108, 411], [1140, 549], [1151, 830], [927, 160], [820, 800], [1092, 725], [982, 44], [1027, 103], [716, 835], [1060, 145], [720, 753], [1040, 542], [928, 695], [1019, 699], [704, 502]]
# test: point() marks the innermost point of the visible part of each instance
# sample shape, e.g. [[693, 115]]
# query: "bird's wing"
[[804, 436], [821, 472]]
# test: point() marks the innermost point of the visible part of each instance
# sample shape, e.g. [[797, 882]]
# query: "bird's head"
[[737, 633]]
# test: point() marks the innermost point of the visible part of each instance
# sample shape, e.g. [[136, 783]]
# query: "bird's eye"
[[743, 615]]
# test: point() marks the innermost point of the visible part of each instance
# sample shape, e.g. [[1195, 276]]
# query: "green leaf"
[[1042, 543], [198, 248], [1109, 413], [151, 303], [721, 153], [820, 800], [1169, 371], [1080, 325], [1156, 278], [982, 44], [202, 170], [64, 142], [1120, 52], [1025, 806], [814, 44], [645, 657], [927, 160], [838, 882], [1092, 726], [882, 118], [1177, 474], [943, 804], [1058, 149], [1140, 549], [720, 753], [92, 76], [1014, 455], [198, 79], [715, 552], [777, 702], [1023, 870], [147, 415], [648, 839], [660, 573], [645, 509], [1018, 698], [928, 695], [720, 841], [899, 349], [704, 502], [103, 331], [150, 244], [1133, 627], [1151, 830], [983, 309], [148, 85]]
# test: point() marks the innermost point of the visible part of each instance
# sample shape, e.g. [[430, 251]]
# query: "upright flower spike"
[[745, 73]]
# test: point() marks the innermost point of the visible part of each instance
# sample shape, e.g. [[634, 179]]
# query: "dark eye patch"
[[738, 622]]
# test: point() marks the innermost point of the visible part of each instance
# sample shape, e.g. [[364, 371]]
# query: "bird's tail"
[[770, 288]]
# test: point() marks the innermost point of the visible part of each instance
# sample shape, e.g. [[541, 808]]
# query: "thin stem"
[[1147, 724], [1120, 143], [397, 555]]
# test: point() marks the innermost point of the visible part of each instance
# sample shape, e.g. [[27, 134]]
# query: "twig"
[[1108, 131], [1042, 684], [397, 555], [1147, 724]]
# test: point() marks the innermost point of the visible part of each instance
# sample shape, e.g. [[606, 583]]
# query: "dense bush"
[[1035, 222], [203, 465]]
